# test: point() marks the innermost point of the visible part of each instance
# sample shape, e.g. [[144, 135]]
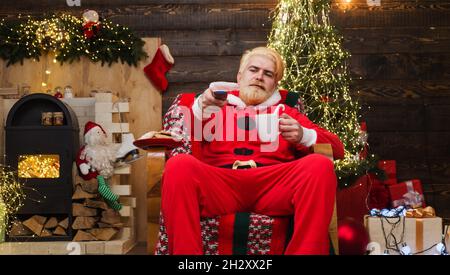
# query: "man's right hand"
[[208, 99]]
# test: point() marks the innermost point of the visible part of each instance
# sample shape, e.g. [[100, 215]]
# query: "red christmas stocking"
[[161, 63]]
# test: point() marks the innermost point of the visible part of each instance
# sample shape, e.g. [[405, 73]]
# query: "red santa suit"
[[288, 181]]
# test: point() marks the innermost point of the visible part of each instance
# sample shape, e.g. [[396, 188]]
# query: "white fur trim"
[[234, 100], [84, 168], [309, 137], [206, 113], [272, 100], [196, 109], [223, 85]]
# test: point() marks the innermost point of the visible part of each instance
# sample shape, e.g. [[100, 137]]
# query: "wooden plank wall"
[[400, 64]]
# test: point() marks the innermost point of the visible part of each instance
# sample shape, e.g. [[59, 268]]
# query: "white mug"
[[268, 125]]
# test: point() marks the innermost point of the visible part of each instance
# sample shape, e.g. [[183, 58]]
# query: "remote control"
[[220, 95]]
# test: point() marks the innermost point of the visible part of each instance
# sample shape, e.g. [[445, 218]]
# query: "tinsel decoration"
[[29, 38], [12, 195], [316, 68]]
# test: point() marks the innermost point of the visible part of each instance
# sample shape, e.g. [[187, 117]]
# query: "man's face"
[[257, 80]]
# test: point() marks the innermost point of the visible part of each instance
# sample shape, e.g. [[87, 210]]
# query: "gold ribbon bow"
[[427, 212]]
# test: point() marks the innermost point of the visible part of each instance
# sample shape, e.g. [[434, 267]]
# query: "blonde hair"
[[267, 52]]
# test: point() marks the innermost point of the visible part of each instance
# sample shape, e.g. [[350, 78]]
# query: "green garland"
[[63, 34]]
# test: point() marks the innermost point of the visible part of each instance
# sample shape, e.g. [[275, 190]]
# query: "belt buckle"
[[239, 163]]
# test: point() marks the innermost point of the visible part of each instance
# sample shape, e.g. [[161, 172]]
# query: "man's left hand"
[[290, 129]]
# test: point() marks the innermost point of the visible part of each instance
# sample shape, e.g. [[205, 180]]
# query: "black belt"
[[230, 166]]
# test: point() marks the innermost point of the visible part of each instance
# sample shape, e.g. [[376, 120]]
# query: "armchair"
[[239, 233]]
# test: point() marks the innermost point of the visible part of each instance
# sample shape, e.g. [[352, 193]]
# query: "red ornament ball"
[[353, 237]]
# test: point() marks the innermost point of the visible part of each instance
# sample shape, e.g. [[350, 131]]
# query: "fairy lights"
[[12, 196], [39, 166]]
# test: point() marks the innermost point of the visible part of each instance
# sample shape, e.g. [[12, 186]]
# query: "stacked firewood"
[[93, 219], [40, 226]]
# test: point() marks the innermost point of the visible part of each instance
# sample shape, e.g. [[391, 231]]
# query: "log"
[[81, 194], [103, 234], [18, 229], [110, 216], [64, 223], [96, 204], [51, 223], [90, 186], [59, 231], [107, 225], [35, 224], [79, 210], [83, 236], [84, 223], [45, 233]]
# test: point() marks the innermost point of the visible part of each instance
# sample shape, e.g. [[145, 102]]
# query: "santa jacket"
[[81, 159], [218, 149]]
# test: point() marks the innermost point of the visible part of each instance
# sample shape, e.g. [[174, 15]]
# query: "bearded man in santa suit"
[[288, 179]]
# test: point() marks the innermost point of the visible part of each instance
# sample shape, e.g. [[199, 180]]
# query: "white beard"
[[252, 95]]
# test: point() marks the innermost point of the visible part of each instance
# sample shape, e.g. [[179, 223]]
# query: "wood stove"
[[42, 139]]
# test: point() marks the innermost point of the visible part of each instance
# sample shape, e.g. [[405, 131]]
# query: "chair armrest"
[[326, 150], [323, 149]]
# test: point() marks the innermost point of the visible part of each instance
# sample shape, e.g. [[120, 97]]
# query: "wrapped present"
[[351, 201], [408, 193], [420, 234], [378, 194], [390, 168]]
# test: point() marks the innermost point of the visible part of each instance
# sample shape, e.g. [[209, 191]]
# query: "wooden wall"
[[400, 64]]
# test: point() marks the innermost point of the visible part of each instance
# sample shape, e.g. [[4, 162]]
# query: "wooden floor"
[[139, 249]]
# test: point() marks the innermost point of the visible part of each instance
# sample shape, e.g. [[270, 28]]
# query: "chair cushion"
[[238, 234]]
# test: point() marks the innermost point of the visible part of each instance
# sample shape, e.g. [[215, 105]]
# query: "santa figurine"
[[96, 160], [91, 23]]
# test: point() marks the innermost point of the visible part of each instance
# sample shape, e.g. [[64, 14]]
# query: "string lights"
[[12, 196], [39, 166], [316, 67]]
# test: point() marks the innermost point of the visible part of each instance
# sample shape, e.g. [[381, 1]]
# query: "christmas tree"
[[316, 68]]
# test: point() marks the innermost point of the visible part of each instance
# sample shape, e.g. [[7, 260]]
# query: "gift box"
[[351, 201], [378, 194], [390, 168], [408, 193], [420, 234]]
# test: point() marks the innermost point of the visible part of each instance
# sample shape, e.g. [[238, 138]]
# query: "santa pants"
[[305, 188]]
